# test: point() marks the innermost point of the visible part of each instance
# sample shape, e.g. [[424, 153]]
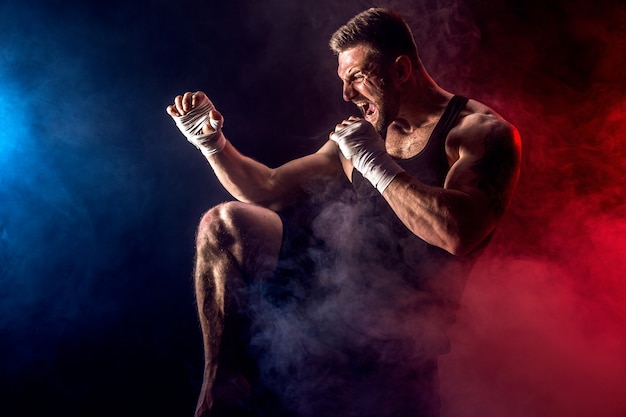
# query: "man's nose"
[[348, 91]]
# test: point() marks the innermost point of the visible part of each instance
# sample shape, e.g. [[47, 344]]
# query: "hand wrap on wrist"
[[360, 143], [191, 125]]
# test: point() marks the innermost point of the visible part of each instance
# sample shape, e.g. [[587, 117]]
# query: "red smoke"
[[542, 329]]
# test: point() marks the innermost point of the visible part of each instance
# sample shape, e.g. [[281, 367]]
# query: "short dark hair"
[[384, 30]]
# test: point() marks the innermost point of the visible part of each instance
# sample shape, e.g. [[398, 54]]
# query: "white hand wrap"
[[360, 143], [191, 126]]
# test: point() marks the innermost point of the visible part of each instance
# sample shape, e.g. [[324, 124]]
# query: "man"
[[431, 173]]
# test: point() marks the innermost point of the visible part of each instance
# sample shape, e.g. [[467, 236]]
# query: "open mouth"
[[368, 110]]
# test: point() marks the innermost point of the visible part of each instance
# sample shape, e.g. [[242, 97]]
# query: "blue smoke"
[[38, 208], [88, 213]]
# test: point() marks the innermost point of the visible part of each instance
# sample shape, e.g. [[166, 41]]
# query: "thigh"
[[252, 234]]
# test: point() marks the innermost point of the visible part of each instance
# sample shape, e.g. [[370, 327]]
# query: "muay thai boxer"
[[429, 176]]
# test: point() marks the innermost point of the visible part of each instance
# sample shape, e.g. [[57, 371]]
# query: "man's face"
[[364, 84]]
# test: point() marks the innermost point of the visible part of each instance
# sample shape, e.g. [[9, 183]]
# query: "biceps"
[[489, 174]]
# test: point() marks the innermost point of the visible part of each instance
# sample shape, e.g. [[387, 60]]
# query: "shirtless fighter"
[[432, 174]]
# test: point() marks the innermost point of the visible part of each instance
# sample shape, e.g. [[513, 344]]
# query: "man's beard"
[[387, 113], [381, 127]]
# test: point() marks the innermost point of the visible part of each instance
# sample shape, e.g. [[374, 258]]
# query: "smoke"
[[37, 208], [541, 327], [358, 336], [79, 220], [543, 335], [99, 197]]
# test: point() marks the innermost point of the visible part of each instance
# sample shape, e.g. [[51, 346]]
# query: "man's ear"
[[403, 68]]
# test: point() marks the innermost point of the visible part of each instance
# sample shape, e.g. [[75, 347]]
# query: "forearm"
[[446, 218], [248, 180], [244, 178]]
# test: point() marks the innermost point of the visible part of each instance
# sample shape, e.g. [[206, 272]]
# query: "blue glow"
[[90, 248], [12, 124], [45, 233], [69, 191]]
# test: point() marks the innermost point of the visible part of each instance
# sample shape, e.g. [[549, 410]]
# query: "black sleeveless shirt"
[[402, 257], [430, 166], [374, 258], [367, 302]]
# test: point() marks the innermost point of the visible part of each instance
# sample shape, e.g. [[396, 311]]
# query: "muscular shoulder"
[[484, 152], [480, 130]]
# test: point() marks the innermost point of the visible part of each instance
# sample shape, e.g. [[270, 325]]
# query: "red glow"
[[542, 330]]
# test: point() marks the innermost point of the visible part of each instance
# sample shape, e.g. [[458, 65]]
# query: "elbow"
[[466, 243], [460, 248]]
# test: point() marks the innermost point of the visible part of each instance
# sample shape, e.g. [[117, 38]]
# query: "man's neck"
[[421, 108], [422, 104]]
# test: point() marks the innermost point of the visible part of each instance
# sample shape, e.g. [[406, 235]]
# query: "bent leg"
[[235, 243]]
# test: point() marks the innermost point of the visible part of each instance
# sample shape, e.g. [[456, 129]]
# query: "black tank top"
[[430, 166], [405, 258]]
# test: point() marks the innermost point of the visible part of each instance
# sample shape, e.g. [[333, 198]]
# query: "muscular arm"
[[476, 192], [253, 182], [244, 178]]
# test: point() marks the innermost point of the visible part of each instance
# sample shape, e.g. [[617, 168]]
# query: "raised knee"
[[244, 233], [217, 226]]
